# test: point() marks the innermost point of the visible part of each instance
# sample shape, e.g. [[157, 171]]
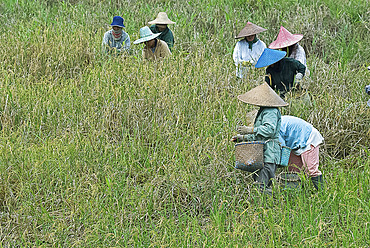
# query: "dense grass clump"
[[118, 151]]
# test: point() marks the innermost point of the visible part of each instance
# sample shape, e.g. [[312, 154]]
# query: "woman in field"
[[266, 128], [248, 50], [283, 74], [367, 89], [154, 48], [116, 40], [304, 140], [289, 43], [160, 25]]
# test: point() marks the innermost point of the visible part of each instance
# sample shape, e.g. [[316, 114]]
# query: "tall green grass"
[[117, 151]]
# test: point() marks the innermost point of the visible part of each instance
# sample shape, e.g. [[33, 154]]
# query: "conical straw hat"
[[263, 96], [162, 18], [250, 29], [269, 57], [285, 39]]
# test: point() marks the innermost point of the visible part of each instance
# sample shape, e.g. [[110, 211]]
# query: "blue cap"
[[269, 57], [117, 21]]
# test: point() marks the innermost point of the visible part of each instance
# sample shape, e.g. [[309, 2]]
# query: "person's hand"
[[237, 138], [298, 81], [244, 129], [367, 89], [246, 63], [298, 78]]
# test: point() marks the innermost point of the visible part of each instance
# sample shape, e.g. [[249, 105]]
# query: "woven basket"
[[285, 154], [249, 155], [289, 180]]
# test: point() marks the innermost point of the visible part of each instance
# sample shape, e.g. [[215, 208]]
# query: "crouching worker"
[[160, 25], [284, 74], [367, 89], [288, 42], [154, 48], [248, 50], [266, 128], [116, 40], [304, 140]]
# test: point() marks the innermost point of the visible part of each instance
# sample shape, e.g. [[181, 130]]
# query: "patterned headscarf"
[[117, 34]]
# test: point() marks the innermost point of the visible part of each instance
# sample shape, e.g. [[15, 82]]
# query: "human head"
[[250, 38], [116, 28], [146, 35], [161, 27], [150, 43]]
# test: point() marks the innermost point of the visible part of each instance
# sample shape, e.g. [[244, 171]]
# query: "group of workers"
[[276, 131], [284, 59], [285, 62], [158, 38]]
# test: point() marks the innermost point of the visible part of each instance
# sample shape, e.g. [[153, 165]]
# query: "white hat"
[[162, 18], [145, 35]]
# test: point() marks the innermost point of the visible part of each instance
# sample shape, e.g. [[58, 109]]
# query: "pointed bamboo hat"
[[263, 96], [269, 57], [285, 39], [162, 18], [249, 29]]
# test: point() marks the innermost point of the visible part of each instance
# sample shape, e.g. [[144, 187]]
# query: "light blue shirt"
[[120, 45], [298, 134], [294, 132]]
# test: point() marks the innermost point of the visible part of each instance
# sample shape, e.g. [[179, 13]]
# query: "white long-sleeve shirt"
[[243, 53]]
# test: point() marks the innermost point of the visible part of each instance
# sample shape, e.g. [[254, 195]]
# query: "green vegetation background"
[[117, 151]]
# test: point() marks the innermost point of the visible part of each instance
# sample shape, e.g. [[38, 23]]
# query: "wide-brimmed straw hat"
[[285, 39], [263, 96], [249, 29], [162, 18], [145, 35], [117, 21], [269, 57]]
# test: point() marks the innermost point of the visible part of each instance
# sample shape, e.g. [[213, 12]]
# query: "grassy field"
[[117, 151]]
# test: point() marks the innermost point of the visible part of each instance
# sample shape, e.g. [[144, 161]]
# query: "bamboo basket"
[[289, 180], [249, 155]]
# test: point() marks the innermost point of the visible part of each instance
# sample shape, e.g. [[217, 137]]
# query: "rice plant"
[[118, 151]]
